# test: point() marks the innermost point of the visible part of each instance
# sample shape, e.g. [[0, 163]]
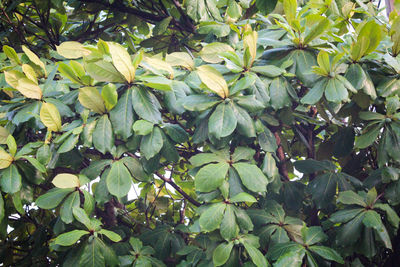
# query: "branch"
[[281, 155], [177, 188]]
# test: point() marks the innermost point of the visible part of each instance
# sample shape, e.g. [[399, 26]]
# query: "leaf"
[[335, 91], [278, 93], [52, 198], [50, 117], [119, 180], [313, 235], [250, 43], [211, 177], [221, 253], [290, 7], [146, 105], [213, 27], [315, 94], [73, 200], [391, 215], [204, 158], [350, 197], [11, 54], [103, 71], [350, 232], [34, 58], [66, 180], [210, 52], [109, 95], [81, 216], [111, 235], [90, 98], [211, 218], [5, 159], [323, 189], [2, 210], [103, 138], [245, 124], [252, 177], [366, 139], [311, 166], [181, 59], [72, 50], [317, 29], [157, 66], [143, 127], [266, 6], [243, 153], [29, 88], [70, 238], [229, 228], [92, 255], [3, 135], [152, 143], [268, 70], [327, 253], [123, 112], [10, 180], [223, 121], [213, 80], [122, 61], [256, 256]]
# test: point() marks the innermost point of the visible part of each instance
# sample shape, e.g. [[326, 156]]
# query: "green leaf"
[[176, 132], [143, 127], [245, 124], [10, 180], [268, 70], [266, 6], [356, 76], [327, 253], [313, 235], [199, 102], [229, 228], [243, 153], [146, 105], [90, 98], [92, 255], [72, 201], [292, 258], [103, 71], [2, 210], [391, 215], [211, 218], [350, 232], [350, 197], [335, 91], [123, 112], [111, 235], [346, 215], [12, 145], [109, 95], [367, 138], [323, 189], [11, 54], [35, 163], [70, 238], [119, 180], [103, 138], [252, 177], [311, 166], [222, 121], [152, 143], [279, 93], [243, 197], [214, 27], [211, 177], [210, 52], [315, 94], [52, 198], [256, 256], [136, 169], [81, 216], [221, 253], [243, 219]]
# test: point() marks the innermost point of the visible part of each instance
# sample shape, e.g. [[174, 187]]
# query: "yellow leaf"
[[3, 135], [210, 53], [5, 159], [72, 50], [250, 41], [180, 59], [157, 66], [122, 61], [50, 117], [29, 89], [66, 180], [90, 98], [30, 73], [213, 80], [34, 58], [12, 77]]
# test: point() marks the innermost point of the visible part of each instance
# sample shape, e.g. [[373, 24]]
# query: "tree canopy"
[[199, 133]]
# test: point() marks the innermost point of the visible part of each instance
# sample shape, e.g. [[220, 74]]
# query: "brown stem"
[[177, 188], [281, 156]]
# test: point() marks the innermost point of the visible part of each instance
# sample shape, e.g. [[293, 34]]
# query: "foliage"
[[199, 133]]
